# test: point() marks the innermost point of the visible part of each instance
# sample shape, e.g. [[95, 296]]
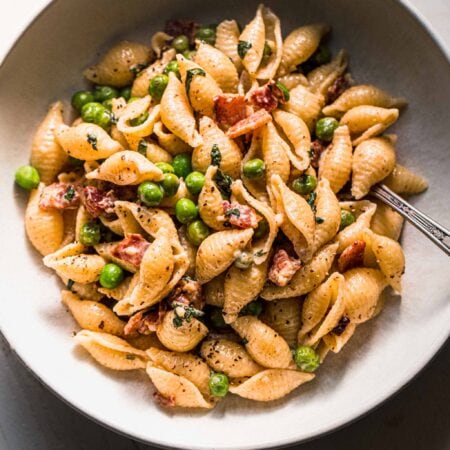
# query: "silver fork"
[[431, 229]]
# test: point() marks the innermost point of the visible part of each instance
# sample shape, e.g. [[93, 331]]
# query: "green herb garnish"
[[190, 74], [142, 147], [242, 48], [216, 156], [223, 182], [70, 194], [70, 284], [284, 90], [92, 139], [320, 219], [233, 212]]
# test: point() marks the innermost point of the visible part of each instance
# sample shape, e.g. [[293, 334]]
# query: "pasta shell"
[[189, 249], [298, 218], [291, 80], [218, 251], [305, 104], [114, 69], [186, 365], [284, 317], [299, 45], [321, 78], [135, 110], [180, 338], [254, 35], [362, 94], [336, 162], [182, 192], [263, 344], [170, 142], [106, 251], [335, 342], [241, 287], [271, 384], [111, 351], [228, 357], [213, 136], [404, 181], [155, 153], [306, 278], [328, 209], [373, 160], [387, 222], [219, 66], [47, 156], [45, 229], [159, 41], [214, 291], [118, 293], [362, 289], [91, 315], [176, 113], [87, 141], [298, 134], [179, 389], [227, 39], [367, 121]]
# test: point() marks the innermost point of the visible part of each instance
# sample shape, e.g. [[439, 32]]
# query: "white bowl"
[[389, 47]]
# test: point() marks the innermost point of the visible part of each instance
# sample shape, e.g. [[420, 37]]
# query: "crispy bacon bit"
[[317, 148], [59, 196], [187, 27], [250, 123], [283, 268], [168, 402], [97, 202], [337, 88], [263, 97], [341, 326], [229, 109], [187, 292], [143, 323], [240, 216], [352, 256], [131, 249]]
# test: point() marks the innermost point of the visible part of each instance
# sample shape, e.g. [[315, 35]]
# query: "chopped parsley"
[[70, 284], [244, 341], [284, 90], [187, 313], [190, 74], [320, 219], [92, 139], [242, 48], [260, 253], [311, 200], [216, 156], [142, 147], [70, 194], [223, 182], [233, 212]]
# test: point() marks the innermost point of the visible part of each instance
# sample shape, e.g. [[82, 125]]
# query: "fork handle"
[[431, 229]]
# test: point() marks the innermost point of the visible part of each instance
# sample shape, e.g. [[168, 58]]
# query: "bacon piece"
[[337, 88], [240, 216], [168, 402], [131, 249], [352, 256], [250, 123], [229, 109], [146, 322], [317, 148], [267, 96], [187, 27], [59, 196], [187, 292], [283, 268], [97, 202]]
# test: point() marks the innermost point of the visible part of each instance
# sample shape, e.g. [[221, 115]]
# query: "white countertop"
[[32, 418]]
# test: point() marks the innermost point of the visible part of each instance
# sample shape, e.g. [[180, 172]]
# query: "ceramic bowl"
[[389, 47]]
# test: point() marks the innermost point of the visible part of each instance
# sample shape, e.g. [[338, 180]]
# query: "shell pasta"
[[206, 210]]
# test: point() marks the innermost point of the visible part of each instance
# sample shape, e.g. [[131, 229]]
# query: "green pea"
[[27, 177], [218, 384], [206, 34], [254, 168], [217, 318], [197, 232], [181, 43], [185, 210], [164, 167], [189, 54], [252, 309], [172, 67], [80, 98], [182, 165], [304, 184], [306, 358], [347, 218], [262, 229], [322, 55], [108, 104], [102, 93], [267, 53], [158, 85], [139, 120], [126, 93], [150, 193], [111, 276], [90, 233], [325, 128], [170, 184], [194, 182], [90, 110], [103, 118]]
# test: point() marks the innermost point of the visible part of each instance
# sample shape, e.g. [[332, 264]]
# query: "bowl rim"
[[6, 49]]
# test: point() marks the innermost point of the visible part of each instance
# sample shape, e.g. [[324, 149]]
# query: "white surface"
[[120, 384]]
